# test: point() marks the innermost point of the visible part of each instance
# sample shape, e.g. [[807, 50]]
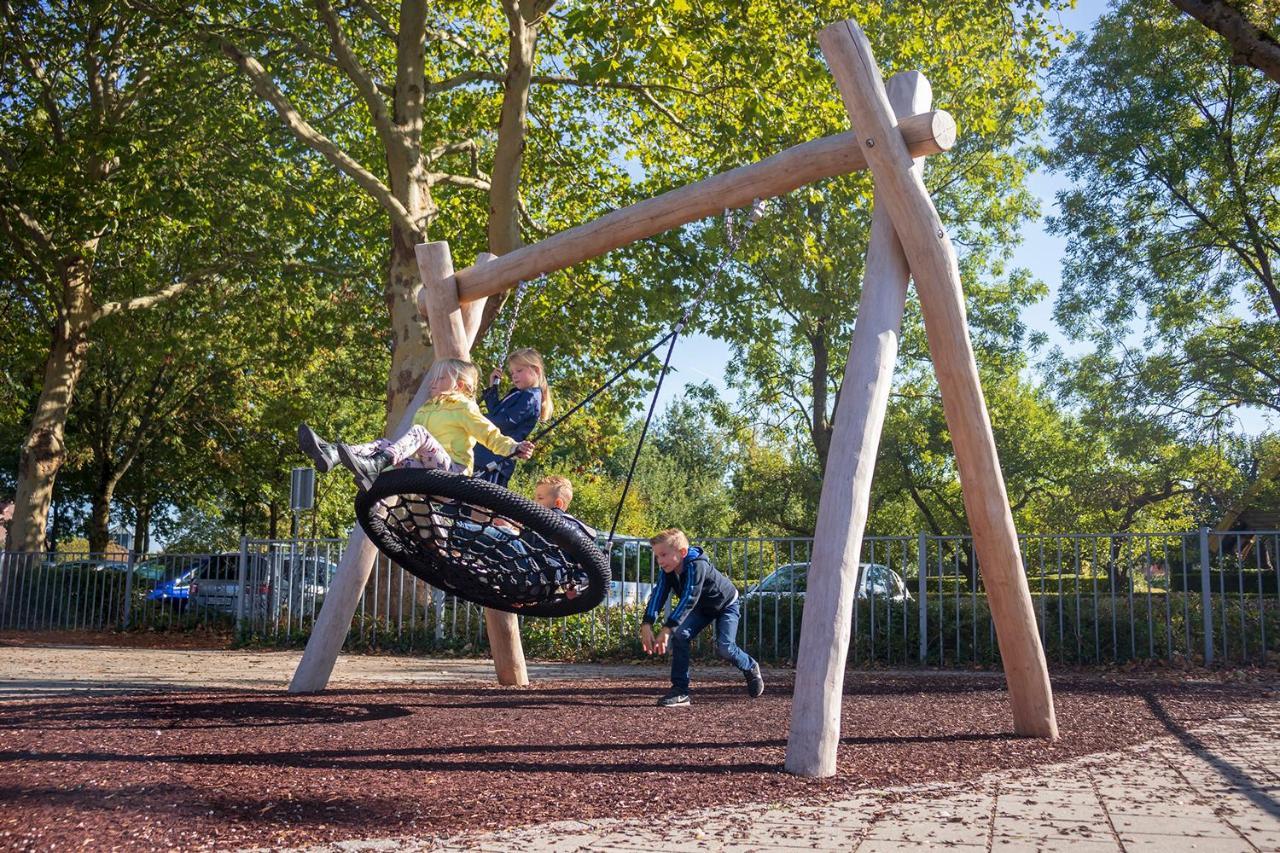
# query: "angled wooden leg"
[[343, 597], [937, 278], [846, 485]]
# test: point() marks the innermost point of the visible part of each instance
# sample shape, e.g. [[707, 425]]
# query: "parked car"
[[276, 582], [94, 566], [150, 571], [874, 579], [215, 584], [173, 587], [628, 594]]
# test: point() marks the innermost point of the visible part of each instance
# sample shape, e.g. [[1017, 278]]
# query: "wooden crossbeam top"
[[927, 133]]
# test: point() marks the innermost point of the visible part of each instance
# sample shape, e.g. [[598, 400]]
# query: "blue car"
[[174, 584]]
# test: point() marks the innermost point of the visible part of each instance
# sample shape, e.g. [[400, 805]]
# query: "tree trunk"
[[504, 198], [1249, 45], [411, 353], [820, 425], [508, 156], [100, 513], [142, 528], [44, 450]]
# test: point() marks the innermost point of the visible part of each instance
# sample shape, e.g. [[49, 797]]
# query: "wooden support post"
[[846, 486], [453, 328], [933, 266], [451, 338], [340, 602]]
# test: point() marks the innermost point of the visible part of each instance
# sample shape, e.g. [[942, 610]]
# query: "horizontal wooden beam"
[[927, 133]]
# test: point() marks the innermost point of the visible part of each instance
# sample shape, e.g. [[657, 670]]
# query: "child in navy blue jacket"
[[517, 413], [706, 596]]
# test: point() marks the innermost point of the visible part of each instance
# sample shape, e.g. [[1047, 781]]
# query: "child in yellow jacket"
[[444, 434]]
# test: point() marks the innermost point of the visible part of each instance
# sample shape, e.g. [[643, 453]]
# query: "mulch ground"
[[224, 769], [199, 638]]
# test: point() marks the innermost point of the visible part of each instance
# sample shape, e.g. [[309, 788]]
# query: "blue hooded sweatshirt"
[[516, 415], [700, 585]]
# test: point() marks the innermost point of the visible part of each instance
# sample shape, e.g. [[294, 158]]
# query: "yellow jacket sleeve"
[[484, 432]]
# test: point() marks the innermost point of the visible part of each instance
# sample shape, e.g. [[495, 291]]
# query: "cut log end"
[[944, 130]]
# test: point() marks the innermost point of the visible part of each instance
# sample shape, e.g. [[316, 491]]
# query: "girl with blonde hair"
[[445, 431], [517, 413]]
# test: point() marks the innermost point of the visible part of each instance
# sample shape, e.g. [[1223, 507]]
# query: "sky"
[[700, 358]]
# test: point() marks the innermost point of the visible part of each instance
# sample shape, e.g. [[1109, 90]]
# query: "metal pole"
[[1206, 596], [243, 578], [922, 570], [128, 592]]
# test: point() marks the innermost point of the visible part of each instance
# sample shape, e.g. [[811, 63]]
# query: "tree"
[[1171, 224], [110, 174], [425, 82], [790, 305], [1248, 26]]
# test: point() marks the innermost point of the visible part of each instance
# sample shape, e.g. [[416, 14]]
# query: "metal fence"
[[1198, 596]]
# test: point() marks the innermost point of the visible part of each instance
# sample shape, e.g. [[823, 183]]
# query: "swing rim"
[[461, 488]]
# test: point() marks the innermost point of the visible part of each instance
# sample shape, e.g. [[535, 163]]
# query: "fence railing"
[[1197, 596]]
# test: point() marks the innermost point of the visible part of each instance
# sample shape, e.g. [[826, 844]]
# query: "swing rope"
[[516, 301], [735, 239]]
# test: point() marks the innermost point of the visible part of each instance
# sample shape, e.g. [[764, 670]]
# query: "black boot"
[[324, 454], [366, 468]]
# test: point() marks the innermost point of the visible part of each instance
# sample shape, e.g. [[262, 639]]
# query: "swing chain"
[[516, 301]]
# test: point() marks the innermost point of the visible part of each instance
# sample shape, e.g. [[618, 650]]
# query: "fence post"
[[128, 592], [922, 569], [242, 575], [1206, 600]]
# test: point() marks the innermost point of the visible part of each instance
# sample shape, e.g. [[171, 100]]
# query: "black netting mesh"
[[483, 543]]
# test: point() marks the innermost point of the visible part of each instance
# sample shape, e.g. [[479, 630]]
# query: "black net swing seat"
[[483, 543]]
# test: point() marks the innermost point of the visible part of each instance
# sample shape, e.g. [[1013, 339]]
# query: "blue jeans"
[[726, 630]]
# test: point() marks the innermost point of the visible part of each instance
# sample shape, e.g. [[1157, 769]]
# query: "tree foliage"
[[1172, 220]]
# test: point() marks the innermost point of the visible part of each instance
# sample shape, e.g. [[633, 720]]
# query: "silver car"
[[874, 581], [277, 582]]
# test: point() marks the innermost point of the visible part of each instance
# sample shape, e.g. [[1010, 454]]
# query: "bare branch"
[[458, 181], [379, 20], [435, 86], [364, 82], [142, 302], [312, 138], [467, 145], [47, 97], [434, 34], [33, 228], [643, 90]]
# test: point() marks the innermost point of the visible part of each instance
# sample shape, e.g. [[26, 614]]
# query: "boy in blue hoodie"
[[705, 596]]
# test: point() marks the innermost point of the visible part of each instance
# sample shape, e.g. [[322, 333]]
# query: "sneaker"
[[366, 468], [674, 699], [755, 681], [321, 452]]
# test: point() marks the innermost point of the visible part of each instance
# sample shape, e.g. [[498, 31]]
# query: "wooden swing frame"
[[893, 130]]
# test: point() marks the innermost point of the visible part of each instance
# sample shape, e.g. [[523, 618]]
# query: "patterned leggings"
[[417, 449]]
